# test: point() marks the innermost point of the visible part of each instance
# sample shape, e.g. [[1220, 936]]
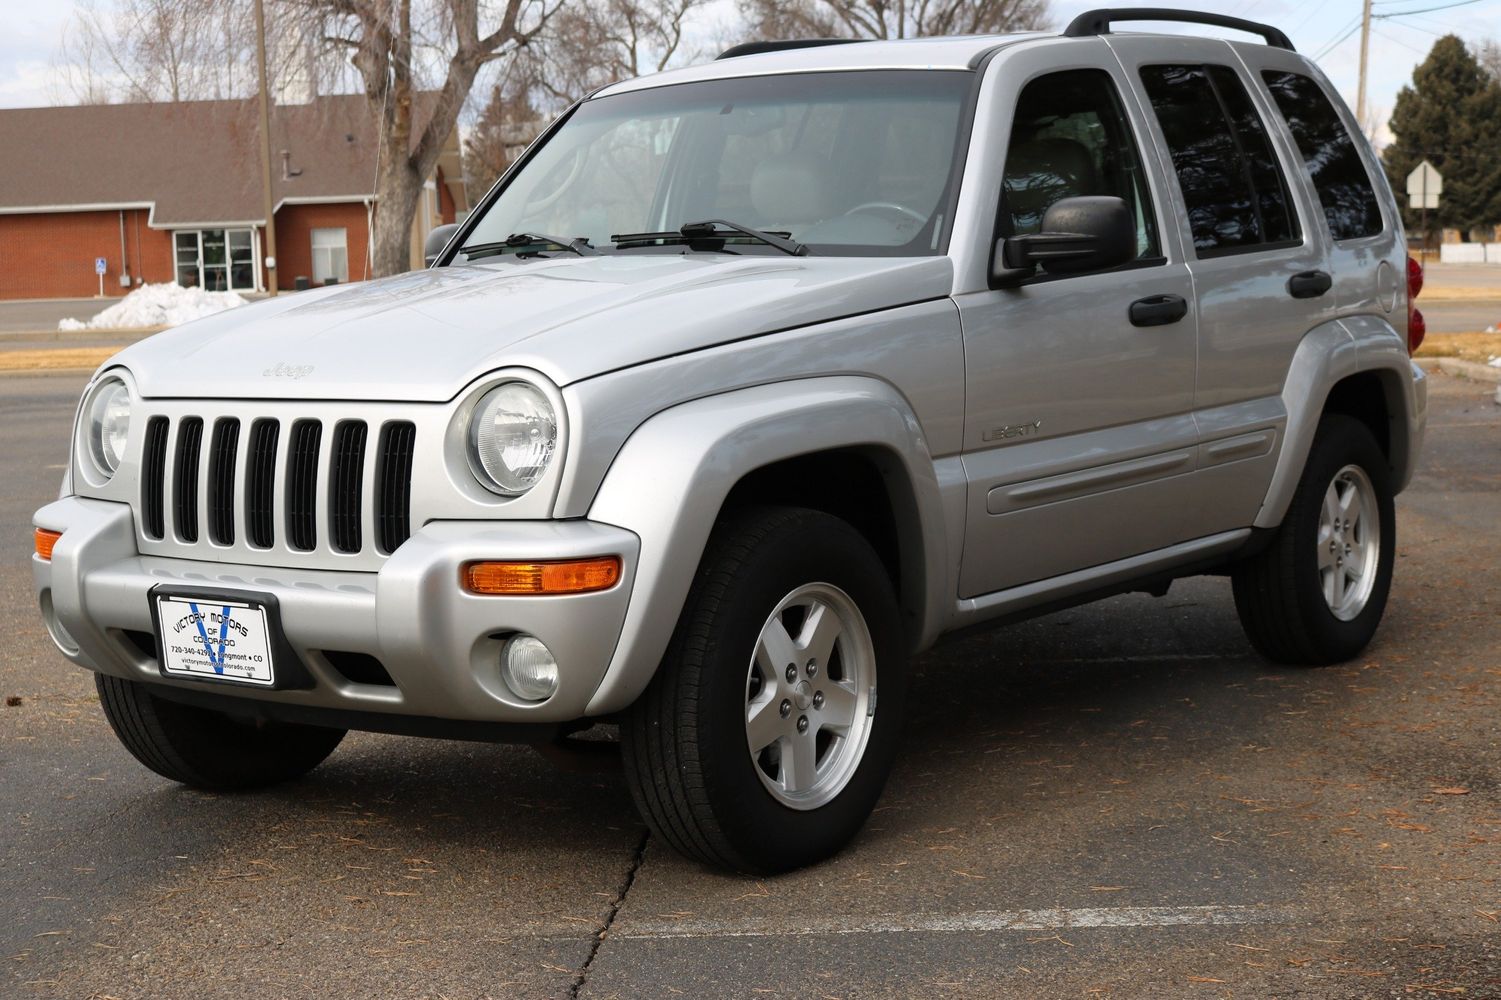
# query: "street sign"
[[100, 265], [1424, 185]]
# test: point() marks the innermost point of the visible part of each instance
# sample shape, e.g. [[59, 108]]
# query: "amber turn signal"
[[519, 579], [45, 540]]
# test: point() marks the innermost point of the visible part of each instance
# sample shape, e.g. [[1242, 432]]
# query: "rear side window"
[[1329, 153], [1235, 193]]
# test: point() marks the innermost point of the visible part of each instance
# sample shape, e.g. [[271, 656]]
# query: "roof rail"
[[756, 48], [1097, 22]]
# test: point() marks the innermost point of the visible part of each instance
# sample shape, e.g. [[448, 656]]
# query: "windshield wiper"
[[692, 232], [518, 241]]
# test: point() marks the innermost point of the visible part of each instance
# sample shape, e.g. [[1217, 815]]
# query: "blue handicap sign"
[[99, 265]]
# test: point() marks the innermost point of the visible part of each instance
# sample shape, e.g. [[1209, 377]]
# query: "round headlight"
[[512, 437], [109, 425]]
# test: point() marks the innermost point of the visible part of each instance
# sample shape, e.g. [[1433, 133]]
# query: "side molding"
[[671, 479]]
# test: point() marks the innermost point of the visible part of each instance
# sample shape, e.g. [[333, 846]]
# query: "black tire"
[[1278, 592], [206, 749], [684, 742]]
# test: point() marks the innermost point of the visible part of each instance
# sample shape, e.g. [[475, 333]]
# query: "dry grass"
[[55, 359], [1458, 293], [1479, 347]]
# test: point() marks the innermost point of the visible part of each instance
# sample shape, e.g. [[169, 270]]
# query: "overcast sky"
[[33, 31]]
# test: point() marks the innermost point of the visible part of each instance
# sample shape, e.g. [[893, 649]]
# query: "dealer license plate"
[[215, 639]]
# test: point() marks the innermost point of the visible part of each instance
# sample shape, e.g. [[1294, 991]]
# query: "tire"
[[206, 749], [687, 742], [1283, 593]]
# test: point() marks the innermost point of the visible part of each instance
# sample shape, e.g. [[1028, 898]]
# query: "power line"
[[1425, 10], [1331, 46]]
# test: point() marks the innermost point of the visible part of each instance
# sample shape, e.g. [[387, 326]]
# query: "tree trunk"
[[396, 200]]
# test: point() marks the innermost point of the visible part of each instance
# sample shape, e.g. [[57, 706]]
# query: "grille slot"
[[393, 484], [185, 478], [345, 484], [222, 458], [302, 484], [153, 476], [260, 483]]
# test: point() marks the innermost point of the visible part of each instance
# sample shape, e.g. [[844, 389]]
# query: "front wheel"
[[764, 740], [206, 749], [1315, 595]]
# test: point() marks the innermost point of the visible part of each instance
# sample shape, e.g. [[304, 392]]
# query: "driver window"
[[1070, 138]]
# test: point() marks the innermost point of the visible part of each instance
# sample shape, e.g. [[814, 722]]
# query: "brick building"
[[172, 192]]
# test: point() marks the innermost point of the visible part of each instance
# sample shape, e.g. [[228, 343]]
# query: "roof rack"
[[756, 48], [1097, 22]]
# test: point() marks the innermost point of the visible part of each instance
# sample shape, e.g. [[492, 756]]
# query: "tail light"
[[1417, 328]]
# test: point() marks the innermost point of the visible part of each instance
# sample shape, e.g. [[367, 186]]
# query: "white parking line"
[[975, 922]]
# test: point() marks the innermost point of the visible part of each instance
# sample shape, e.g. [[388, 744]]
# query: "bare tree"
[[774, 19], [186, 50], [417, 61], [584, 47], [509, 121]]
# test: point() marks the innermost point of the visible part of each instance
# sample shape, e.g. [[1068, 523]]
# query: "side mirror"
[[436, 241], [1089, 233]]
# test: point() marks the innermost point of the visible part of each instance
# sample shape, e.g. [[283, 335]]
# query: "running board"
[[1042, 596]]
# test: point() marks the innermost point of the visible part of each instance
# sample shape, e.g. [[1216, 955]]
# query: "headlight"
[[108, 425], [512, 437]]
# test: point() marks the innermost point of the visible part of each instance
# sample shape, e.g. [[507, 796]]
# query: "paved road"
[[1117, 800]]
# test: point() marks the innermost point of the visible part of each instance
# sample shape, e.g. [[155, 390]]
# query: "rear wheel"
[[759, 745], [207, 749], [1316, 594]]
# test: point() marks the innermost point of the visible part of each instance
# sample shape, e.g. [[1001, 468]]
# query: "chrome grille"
[[280, 481]]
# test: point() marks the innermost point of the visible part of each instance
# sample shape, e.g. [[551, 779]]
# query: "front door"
[[218, 260], [1079, 434]]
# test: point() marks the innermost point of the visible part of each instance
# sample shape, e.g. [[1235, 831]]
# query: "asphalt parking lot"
[[1116, 800]]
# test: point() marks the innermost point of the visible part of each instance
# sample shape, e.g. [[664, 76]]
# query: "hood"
[[424, 336]]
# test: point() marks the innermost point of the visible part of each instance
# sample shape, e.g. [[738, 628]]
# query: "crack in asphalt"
[[615, 905]]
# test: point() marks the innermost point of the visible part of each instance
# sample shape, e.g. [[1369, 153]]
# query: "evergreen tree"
[[1451, 116]]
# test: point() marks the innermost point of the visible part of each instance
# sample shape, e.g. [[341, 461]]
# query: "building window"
[[219, 260], [330, 256]]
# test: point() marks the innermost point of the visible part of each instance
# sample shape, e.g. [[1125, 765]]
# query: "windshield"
[[855, 163]]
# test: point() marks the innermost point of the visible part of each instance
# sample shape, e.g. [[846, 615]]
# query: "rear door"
[[1341, 169], [1079, 437], [1257, 253]]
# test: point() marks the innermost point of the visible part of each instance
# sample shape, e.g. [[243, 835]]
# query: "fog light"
[[528, 668]]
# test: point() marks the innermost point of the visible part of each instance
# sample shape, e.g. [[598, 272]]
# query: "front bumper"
[[439, 646]]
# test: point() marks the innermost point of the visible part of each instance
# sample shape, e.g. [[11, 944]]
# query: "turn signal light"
[[45, 540], [521, 579]]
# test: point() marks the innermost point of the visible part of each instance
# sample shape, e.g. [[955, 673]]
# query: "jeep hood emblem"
[[283, 370]]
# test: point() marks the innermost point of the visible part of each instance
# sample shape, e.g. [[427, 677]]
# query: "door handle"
[[1158, 310], [1309, 284]]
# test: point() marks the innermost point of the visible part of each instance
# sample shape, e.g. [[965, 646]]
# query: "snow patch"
[[1494, 362], [157, 305]]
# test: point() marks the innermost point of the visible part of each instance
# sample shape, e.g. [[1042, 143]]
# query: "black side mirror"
[[1088, 233], [436, 241]]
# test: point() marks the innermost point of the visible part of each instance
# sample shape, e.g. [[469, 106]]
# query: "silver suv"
[[746, 383]]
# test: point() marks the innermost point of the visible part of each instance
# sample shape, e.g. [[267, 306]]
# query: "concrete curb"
[[1467, 369]]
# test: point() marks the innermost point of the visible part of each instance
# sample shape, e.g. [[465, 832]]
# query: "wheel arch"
[[1358, 367], [678, 471]]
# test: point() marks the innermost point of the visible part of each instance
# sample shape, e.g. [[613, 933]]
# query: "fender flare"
[[1328, 354], [670, 480]]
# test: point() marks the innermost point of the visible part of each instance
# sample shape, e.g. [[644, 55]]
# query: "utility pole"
[[1365, 47], [260, 54]]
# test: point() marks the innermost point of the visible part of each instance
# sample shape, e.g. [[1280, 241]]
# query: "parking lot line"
[[976, 921]]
